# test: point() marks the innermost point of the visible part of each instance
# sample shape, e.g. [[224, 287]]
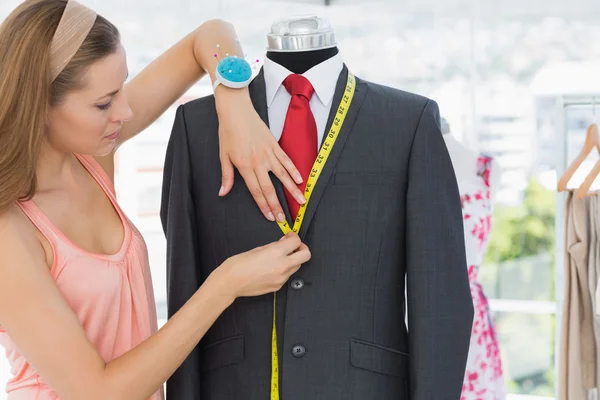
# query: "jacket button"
[[297, 284], [298, 351]]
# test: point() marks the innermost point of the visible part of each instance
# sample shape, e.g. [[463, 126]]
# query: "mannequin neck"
[[301, 61]]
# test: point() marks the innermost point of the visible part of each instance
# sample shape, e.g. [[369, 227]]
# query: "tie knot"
[[297, 84]]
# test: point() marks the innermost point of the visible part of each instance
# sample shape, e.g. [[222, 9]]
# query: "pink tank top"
[[112, 295]]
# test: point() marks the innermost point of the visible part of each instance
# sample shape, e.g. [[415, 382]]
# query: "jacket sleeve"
[[178, 220], [440, 308]]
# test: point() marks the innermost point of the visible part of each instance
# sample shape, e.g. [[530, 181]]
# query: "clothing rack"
[[563, 104]]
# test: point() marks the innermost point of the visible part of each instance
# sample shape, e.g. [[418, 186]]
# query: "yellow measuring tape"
[[317, 168]]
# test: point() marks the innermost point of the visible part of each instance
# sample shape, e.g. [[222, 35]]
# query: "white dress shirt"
[[323, 78]]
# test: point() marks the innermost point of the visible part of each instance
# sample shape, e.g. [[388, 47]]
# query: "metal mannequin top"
[[303, 33]]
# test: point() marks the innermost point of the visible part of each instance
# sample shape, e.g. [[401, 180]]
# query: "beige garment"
[[577, 365], [593, 210]]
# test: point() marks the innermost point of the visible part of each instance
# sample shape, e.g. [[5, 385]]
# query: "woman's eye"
[[104, 107]]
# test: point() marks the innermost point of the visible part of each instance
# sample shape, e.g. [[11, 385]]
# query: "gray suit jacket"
[[385, 208]]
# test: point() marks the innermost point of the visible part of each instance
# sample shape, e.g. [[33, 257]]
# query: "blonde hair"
[[26, 94]]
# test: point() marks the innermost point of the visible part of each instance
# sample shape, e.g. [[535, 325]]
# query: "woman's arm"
[[48, 334], [246, 142]]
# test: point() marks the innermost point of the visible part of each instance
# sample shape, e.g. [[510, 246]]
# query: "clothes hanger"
[[591, 142], [584, 188]]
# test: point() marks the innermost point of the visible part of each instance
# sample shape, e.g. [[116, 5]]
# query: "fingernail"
[[280, 217], [301, 199], [221, 190], [299, 178], [270, 216]]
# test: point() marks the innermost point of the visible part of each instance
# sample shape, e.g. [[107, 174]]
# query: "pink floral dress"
[[483, 377]]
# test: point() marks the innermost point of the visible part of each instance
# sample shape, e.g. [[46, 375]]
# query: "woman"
[[76, 302]]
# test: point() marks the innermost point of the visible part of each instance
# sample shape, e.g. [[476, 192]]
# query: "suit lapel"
[[258, 94], [334, 156]]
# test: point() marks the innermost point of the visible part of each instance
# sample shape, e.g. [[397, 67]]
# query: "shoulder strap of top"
[[97, 172], [39, 219]]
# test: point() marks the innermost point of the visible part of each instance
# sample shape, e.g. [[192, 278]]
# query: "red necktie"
[[299, 136]]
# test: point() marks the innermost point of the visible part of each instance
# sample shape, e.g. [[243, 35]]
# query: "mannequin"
[[374, 225], [478, 178]]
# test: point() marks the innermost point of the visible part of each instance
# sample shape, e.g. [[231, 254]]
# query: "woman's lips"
[[113, 136]]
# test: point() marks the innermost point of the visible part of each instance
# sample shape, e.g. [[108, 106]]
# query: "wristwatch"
[[233, 72]]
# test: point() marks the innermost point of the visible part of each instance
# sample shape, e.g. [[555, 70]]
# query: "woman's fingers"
[[256, 191], [280, 171], [227, 174], [268, 192], [300, 256], [288, 244], [286, 162]]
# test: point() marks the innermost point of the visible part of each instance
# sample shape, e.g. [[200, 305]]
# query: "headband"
[[74, 26]]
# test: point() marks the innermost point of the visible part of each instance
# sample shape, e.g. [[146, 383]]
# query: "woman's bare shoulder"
[[18, 237]]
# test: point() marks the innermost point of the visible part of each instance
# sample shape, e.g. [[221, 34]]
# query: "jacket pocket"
[[225, 352], [378, 359]]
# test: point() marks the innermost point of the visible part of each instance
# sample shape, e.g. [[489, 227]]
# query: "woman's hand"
[[262, 270], [246, 142]]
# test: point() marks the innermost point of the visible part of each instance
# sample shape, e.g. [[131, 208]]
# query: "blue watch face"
[[234, 69]]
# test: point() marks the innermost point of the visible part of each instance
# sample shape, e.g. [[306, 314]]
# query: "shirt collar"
[[323, 77]]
